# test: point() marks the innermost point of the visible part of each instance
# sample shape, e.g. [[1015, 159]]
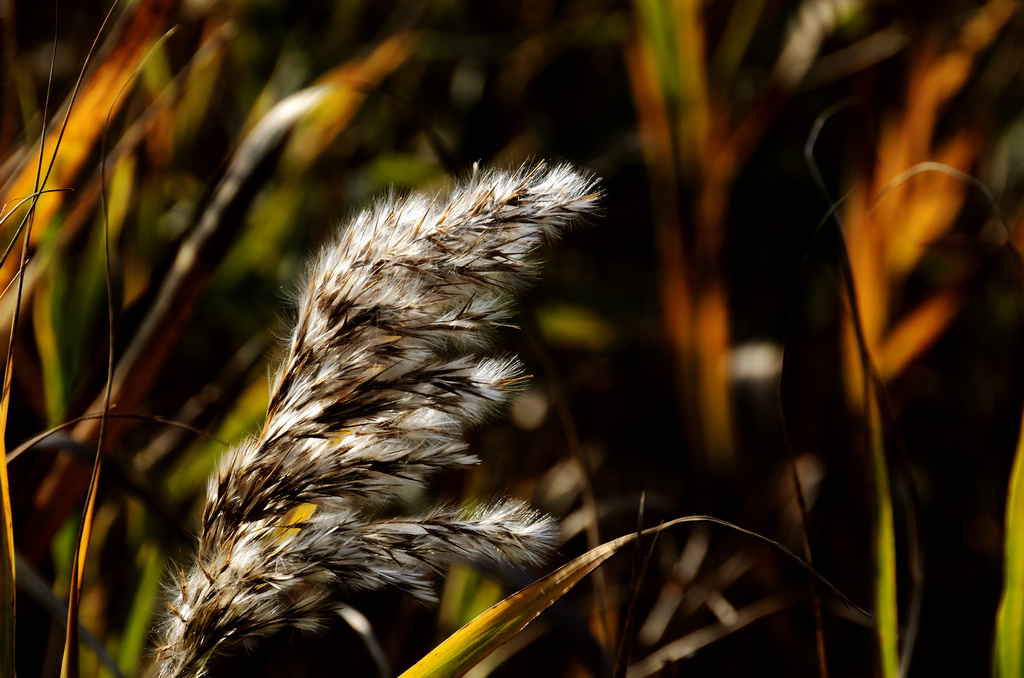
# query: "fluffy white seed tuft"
[[382, 376]]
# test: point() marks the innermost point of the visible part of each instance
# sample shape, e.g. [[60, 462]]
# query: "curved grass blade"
[[477, 639], [683, 647], [40, 437], [7, 582], [1009, 641]]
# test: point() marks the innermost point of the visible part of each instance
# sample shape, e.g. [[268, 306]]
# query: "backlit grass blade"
[[884, 536], [1009, 642], [492, 629], [7, 616], [69, 667], [477, 639], [1008, 651], [866, 389]]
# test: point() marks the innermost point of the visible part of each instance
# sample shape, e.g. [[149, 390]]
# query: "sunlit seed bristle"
[[382, 377]]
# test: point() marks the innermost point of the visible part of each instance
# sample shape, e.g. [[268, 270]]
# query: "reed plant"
[[800, 314]]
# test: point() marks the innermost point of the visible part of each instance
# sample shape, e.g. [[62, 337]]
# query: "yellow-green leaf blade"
[[477, 639], [886, 604], [1009, 641]]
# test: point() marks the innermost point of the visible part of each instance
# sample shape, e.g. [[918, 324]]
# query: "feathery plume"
[[382, 376]]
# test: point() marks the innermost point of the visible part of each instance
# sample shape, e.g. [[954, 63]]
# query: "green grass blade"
[[884, 535], [1009, 640]]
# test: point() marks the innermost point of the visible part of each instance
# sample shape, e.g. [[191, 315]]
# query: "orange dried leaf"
[[915, 333], [96, 100]]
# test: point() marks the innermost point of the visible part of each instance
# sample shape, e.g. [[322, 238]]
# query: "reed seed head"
[[384, 372]]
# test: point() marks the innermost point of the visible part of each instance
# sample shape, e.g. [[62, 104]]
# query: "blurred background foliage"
[[225, 139]]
